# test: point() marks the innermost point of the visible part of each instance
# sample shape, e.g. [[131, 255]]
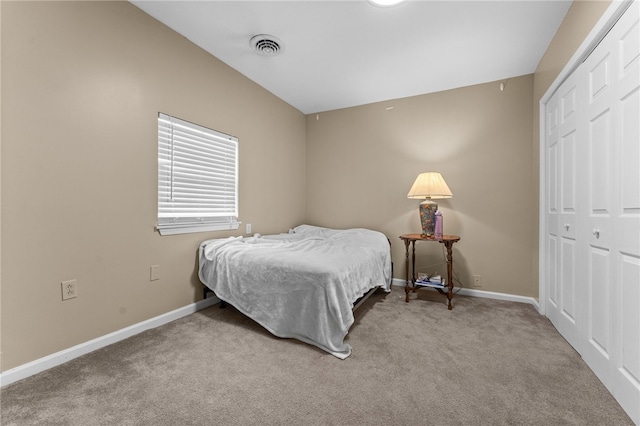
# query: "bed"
[[302, 284]]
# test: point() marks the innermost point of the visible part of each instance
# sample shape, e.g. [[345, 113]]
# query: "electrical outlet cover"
[[69, 289], [477, 280]]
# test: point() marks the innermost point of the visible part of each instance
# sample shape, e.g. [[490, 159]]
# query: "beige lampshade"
[[429, 185]]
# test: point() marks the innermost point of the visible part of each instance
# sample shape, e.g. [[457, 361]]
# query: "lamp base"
[[428, 210]]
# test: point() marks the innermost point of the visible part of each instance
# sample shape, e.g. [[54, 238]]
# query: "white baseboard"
[[485, 294], [50, 361]]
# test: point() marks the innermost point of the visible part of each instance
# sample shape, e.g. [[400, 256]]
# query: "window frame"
[[203, 194]]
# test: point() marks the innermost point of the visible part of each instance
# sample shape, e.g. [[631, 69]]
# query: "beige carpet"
[[486, 362]]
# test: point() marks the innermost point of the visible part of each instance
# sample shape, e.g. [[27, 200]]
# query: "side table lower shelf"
[[410, 240]]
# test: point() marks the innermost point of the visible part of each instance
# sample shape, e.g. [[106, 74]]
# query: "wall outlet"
[[69, 289], [154, 273], [477, 280], [248, 228]]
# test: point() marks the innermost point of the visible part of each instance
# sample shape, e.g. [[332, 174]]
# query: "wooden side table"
[[410, 239]]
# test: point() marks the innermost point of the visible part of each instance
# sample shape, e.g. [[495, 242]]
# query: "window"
[[197, 178]]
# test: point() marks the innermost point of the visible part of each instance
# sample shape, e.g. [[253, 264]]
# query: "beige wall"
[[81, 86], [474, 136], [362, 161], [82, 83], [577, 24]]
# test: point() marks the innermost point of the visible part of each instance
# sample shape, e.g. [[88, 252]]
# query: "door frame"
[[597, 33]]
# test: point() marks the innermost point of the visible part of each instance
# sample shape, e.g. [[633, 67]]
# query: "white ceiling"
[[345, 53]]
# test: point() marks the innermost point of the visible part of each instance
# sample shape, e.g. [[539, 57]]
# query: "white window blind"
[[197, 178]]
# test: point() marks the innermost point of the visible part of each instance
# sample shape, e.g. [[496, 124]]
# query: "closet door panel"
[[626, 384], [568, 141], [599, 309], [628, 158], [598, 77], [627, 361], [569, 288], [568, 150], [553, 311], [563, 293], [599, 176], [552, 213]]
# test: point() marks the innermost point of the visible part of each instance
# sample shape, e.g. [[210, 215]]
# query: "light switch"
[[155, 273]]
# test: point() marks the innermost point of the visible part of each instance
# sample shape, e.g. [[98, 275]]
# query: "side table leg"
[[406, 280], [413, 266], [449, 245]]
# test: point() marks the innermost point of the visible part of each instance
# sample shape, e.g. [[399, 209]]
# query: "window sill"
[[192, 229]]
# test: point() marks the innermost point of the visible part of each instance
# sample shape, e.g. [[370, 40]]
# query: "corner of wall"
[[0, 186]]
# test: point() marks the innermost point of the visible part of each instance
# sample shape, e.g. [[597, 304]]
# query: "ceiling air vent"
[[266, 45]]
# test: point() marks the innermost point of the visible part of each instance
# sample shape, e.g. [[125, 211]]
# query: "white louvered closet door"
[[592, 229]]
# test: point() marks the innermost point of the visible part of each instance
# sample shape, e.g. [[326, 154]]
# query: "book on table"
[[430, 281]]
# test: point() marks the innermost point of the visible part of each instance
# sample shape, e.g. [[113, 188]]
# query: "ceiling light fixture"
[[266, 45], [385, 3]]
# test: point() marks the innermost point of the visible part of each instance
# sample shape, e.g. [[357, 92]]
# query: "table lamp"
[[429, 186]]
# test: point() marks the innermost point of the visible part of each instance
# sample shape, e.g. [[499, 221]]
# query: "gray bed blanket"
[[302, 284]]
